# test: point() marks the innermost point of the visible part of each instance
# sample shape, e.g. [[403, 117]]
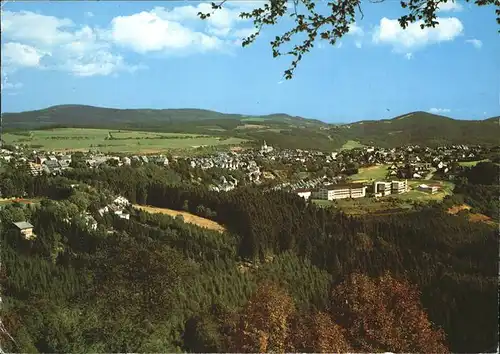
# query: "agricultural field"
[[188, 217], [82, 139], [378, 172], [471, 163], [351, 144]]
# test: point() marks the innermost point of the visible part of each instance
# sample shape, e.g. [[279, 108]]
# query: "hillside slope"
[[277, 129], [424, 129], [99, 116]]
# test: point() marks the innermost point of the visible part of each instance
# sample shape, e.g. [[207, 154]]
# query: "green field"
[[81, 139], [416, 195], [351, 144], [378, 172], [471, 163]]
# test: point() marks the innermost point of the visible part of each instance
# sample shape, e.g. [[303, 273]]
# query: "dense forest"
[[284, 276]]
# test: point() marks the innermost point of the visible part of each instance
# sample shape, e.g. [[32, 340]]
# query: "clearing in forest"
[[471, 163], [351, 144], [188, 217]]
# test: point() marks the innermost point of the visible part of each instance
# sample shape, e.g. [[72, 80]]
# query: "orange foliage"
[[264, 322], [382, 314], [385, 314], [318, 333]]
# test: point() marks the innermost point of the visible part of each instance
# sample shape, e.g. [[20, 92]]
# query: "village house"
[[35, 169], [429, 188], [25, 229], [121, 201], [303, 193]]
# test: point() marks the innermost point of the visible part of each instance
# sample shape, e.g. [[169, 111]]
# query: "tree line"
[[329, 281]]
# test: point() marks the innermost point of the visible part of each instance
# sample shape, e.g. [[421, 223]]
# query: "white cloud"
[[413, 37], [475, 42], [89, 14], [174, 30], [356, 30], [180, 30], [439, 110], [450, 6], [51, 43], [149, 31], [26, 26], [409, 56], [21, 55]]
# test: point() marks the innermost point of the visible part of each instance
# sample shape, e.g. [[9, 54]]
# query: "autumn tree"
[[318, 333], [263, 324], [384, 314], [311, 24]]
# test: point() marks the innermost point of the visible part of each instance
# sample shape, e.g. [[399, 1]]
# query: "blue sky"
[[159, 55]]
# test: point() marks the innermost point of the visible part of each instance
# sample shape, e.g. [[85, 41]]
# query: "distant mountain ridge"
[[412, 128]]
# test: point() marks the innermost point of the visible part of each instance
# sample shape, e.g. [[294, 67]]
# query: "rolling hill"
[[277, 129], [424, 129]]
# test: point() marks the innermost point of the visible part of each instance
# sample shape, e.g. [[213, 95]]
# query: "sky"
[[161, 55]]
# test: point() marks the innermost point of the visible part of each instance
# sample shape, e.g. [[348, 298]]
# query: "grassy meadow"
[[378, 172], [82, 139], [188, 217], [351, 144], [471, 163]]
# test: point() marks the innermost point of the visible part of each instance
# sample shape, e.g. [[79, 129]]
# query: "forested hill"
[[424, 129], [278, 129], [105, 117], [286, 276]]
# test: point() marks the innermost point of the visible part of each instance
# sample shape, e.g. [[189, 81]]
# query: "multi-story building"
[[381, 189], [358, 191], [338, 191], [399, 187]]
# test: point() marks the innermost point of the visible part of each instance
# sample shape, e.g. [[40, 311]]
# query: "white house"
[[304, 193], [429, 188], [121, 201]]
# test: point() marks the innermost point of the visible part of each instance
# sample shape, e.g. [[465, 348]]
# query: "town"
[[309, 174]]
